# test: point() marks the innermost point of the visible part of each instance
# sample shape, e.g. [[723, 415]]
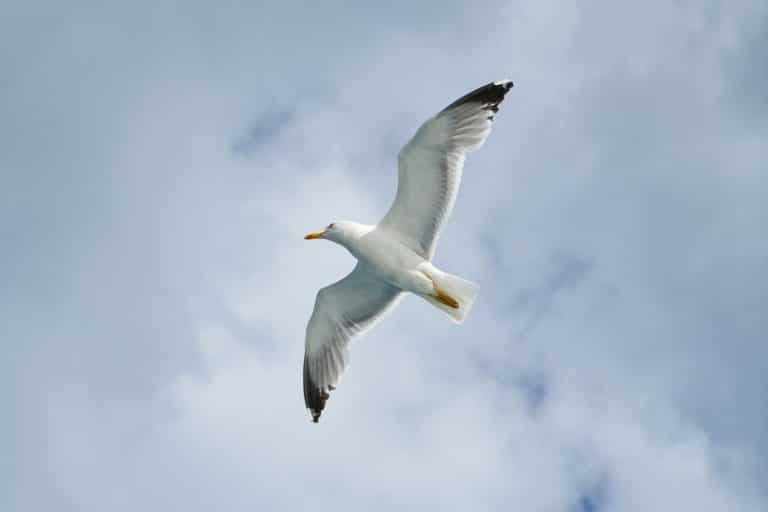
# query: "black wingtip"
[[491, 95], [314, 396]]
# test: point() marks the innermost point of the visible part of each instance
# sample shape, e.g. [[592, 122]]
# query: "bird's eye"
[[331, 226]]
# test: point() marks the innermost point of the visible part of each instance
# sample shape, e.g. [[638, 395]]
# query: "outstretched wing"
[[430, 166], [342, 311]]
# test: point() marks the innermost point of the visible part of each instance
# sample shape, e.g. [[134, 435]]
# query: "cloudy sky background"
[[161, 162]]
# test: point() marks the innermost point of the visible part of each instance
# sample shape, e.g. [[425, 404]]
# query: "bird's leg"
[[442, 297], [446, 299]]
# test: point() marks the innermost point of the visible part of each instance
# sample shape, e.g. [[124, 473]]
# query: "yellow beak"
[[312, 236]]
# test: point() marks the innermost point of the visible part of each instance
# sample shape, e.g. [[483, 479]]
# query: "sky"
[[161, 162]]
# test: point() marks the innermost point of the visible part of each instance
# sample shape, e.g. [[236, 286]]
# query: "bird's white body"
[[383, 254], [395, 256]]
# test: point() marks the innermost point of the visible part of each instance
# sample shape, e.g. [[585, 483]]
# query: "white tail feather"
[[465, 293]]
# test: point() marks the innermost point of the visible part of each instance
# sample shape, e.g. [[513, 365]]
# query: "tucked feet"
[[446, 299]]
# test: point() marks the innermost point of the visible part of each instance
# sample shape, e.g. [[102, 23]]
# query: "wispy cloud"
[[157, 287], [263, 130]]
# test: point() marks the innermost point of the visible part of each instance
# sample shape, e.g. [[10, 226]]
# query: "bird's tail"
[[453, 295]]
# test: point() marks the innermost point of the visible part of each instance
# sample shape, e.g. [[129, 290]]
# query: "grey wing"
[[342, 311], [431, 164]]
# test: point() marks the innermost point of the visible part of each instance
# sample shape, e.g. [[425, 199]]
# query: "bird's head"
[[326, 233], [339, 232]]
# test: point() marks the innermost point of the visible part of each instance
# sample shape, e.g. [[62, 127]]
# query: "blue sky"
[[162, 161]]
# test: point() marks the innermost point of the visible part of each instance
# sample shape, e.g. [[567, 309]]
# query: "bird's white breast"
[[392, 261]]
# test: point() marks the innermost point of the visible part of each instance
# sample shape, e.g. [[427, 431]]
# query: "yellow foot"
[[443, 298]]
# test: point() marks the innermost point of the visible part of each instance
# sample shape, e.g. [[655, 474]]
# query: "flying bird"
[[395, 256]]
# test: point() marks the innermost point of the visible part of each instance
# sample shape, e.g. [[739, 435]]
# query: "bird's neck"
[[351, 237]]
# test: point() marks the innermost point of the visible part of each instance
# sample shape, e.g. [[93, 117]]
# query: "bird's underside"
[[430, 169]]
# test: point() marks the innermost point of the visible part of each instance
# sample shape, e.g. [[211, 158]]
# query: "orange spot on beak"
[[313, 236]]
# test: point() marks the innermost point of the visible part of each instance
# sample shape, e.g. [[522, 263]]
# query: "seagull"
[[395, 256]]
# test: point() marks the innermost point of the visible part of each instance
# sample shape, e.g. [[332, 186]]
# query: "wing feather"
[[431, 164], [342, 311]]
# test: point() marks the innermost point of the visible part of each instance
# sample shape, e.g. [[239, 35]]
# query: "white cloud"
[[635, 385]]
